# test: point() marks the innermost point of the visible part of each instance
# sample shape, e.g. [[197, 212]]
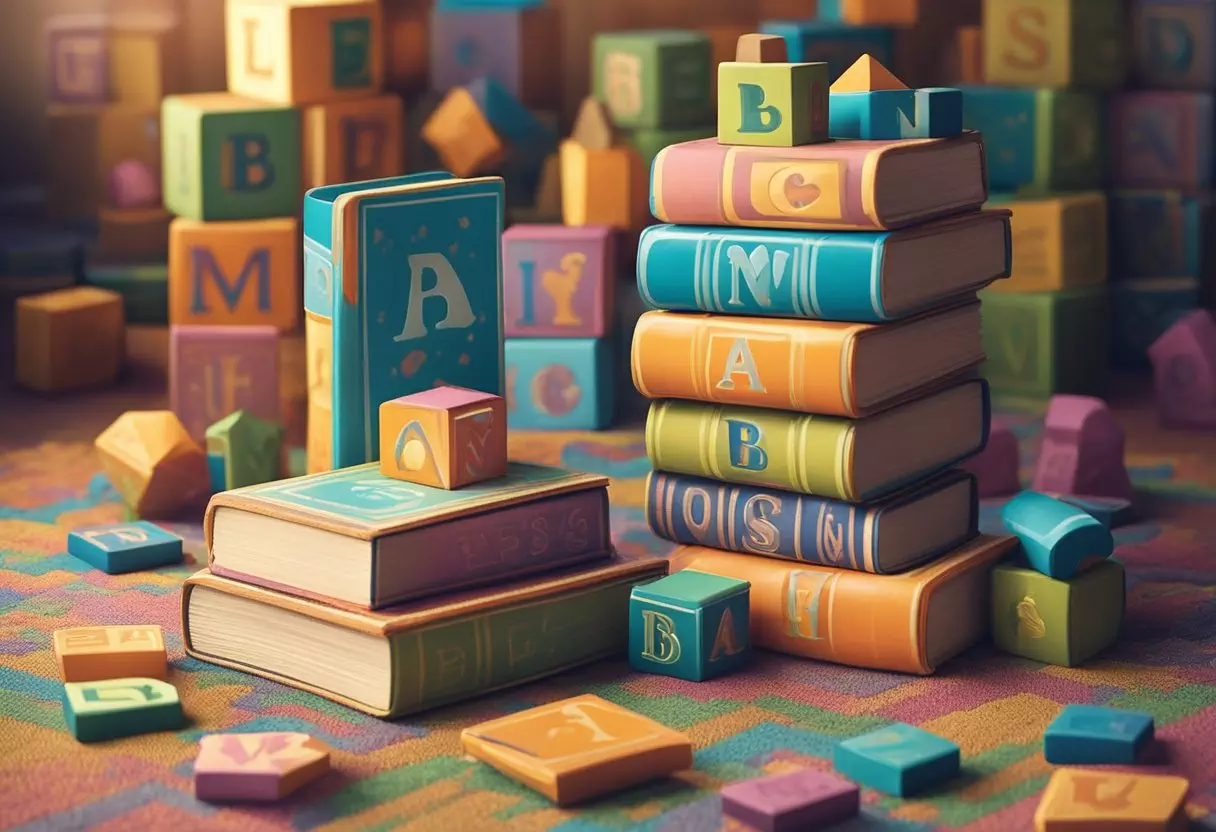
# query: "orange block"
[[133, 235], [406, 45], [69, 339], [603, 187], [144, 58], [879, 12], [238, 273], [462, 136], [867, 74], [1081, 800], [353, 141], [93, 654], [152, 462]]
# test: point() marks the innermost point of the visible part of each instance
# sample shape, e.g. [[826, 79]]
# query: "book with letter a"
[[906, 623], [402, 292], [411, 657], [833, 186]]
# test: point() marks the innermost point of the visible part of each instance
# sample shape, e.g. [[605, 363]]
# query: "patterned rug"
[[779, 714]]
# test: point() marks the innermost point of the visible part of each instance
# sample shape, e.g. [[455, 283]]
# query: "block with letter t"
[[353, 141], [445, 437], [690, 625], [765, 102], [656, 78], [868, 102], [1075, 44]]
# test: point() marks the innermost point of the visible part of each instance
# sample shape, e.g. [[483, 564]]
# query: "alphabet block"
[[406, 46], [1082, 450], [796, 800], [648, 142], [558, 281], [462, 136], [230, 158], [238, 273], [1042, 343], [1063, 623], [837, 44], [931, 112], [771, 104], [69, 339], [528, 139], [519, 48], [1173, 43], [129, 156], [870, 12], [152, 462], [72, 164], [303, 52], [1144, 310], [92, 654], [1057, 539], [144, 289], [1157, 234], [122, 548], [78, 59], [260, 767], [1161, 140], [445, 437], [567, 389], [218, 370], [1059, 242], [969, 54], [144, 55], [243, 450], [1038, 141], [1054, 43], [603, 187], [656, 79], [996, 467], [353, 141], [1091, 735], [1109, 799], [1184, 372], [899, 759], [133, 234], [96, 711]]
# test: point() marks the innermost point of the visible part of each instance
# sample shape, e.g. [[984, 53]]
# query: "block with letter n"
[[353, 141], [868, 102], [1075, 44], [765, 102], [1174, 44], [217, 370], [656, 79]]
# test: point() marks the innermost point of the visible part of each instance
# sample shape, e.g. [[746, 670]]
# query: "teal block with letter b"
[[881, 115], [559, 383], [900, 759]]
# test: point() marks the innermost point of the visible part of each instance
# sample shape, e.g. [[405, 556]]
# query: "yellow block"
[[603, 187], [69, 339], [144, 59], [353, 141], [1058, 243], [152, 462], [1084, 799], [93, 654]]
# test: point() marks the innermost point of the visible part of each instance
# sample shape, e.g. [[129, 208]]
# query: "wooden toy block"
[[1057, 538], [1184, 372], [931, 112], [690, 625], [236, 273], [230, 158], [1172, 44], [125, 547], [353, 141], [1063, 623], [1161, 140], [144, 288], [648, 143], [257, 767], [72, 164], [870, 12], [1144, 310], [303, 52], [593, 127], [152, 462], [996, 467], [446, 437], [578, 749], [603, 187], [1054, 43], [528, 138], [900, 760], [723, 46], [757, 48], [36, 260], [1059, 242], [133, 234], [558, 281], [218, 370], [462, 136], [567, 389], [69, 339], [129, 142], [837, 44], [1042, 343], [969, 49], [1111, 512], [519, 48], [1040, 141], [78, 59], [1091, 735], [1157, 234], [93, 654], [243, 450], [144, 55], [791, 802], [656, 78], [1082, 450], [1094, 799], [205, 66], [406, 46], [116, 708], [772, 104]]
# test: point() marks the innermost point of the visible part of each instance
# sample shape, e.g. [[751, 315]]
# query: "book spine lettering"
[[319, 349]]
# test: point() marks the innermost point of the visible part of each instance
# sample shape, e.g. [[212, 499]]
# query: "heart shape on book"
[[800, 193]]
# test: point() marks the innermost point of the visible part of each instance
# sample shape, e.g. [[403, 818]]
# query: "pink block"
[[996, 467], [257, 767], [1160, 140], [1082, 450], [557, 281], [798, 800], [134, 184], [1184, 372], [446, 397], [218, 370]]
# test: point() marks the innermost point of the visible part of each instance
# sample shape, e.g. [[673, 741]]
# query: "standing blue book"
[[862, 277], [402, 292]]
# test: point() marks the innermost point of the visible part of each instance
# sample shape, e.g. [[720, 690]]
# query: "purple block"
[[557, 281], [1161, 140], [1184, 372], [518, 48], [134, 184], [794, 802], [217, 370], [1082, 451], [996, 467], [78, 59]]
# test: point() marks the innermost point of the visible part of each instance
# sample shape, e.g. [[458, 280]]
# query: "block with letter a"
[[353, 141], [445, 437], [217, 370]]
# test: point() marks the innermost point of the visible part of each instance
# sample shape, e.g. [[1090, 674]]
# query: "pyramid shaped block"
[[152, 462]]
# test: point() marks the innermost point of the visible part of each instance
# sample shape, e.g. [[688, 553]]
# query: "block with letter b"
[[690, 625], [868, 102], [218, 370], [1174, 44], [353, 141], [560, 385], [1055, 44], [1162, 140], [772, 104], [558, 281], [654, 78], [125, 547], [445, 437]]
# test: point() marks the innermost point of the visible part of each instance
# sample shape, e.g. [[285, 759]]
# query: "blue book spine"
[[814, 275]]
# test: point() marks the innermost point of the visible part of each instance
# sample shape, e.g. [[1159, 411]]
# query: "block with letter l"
[[1162, 140], [1174, 44], [353, 141], [1059, 242], [558, 281], [772, 104], [519, 48], [837, 44], [657, 78], [218, 370], [445, 437], [560, 385], [1077, 44]]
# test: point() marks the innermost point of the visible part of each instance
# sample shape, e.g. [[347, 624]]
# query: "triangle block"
[[593, 127], [867, 75]]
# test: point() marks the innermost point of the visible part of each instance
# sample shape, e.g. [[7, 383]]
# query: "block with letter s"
[[1055, 44]]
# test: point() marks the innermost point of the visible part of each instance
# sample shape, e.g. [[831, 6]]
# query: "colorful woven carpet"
[[779, 714]]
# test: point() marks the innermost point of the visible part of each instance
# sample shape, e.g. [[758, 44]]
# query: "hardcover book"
[[416, 656], [823, 367], [402, 292], [357, 538], [906, 623], [864, 276], [833, 186], [884, 537]]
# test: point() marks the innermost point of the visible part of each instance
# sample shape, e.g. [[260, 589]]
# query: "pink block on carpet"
[[1184, 372], [1082, 451], [798, 800], [134, 184], [996, 467], [257, 767]]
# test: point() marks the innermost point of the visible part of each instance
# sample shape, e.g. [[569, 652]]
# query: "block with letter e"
[[1078, 44], [125, 547], [227, 157], [656, 78], [218, 370], [771, 103], [519, 48], [690, 625], [1174, 44], [1059, 242], [1162, 140], [558, 281], [353, 141], [868, 102], [559, 385], [445, 437]]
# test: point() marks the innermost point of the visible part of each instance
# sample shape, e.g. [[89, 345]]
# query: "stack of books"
[[812, 361]]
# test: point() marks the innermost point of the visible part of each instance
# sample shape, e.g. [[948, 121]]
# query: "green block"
[[1058, 622], [648, 142], [772, 105], [144, 289], [658, 78], [226, 157], [1043, 343], [116, 708], [243, 450]]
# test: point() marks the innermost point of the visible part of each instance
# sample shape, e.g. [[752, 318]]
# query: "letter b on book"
[[772, 105], [744, 440]]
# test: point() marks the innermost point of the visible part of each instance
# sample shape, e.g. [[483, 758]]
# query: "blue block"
[[559, 383], [1056, 537], [839, 45], [1111, 512], [900, 760], [690, 625], [218, 472], [931, 112], [525, 134], [1090, 735], [125, 547]]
